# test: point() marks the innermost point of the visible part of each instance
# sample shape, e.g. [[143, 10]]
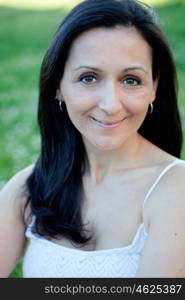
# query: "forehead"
[[102, 44]]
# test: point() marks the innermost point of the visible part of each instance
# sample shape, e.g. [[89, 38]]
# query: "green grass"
[[24, 35]]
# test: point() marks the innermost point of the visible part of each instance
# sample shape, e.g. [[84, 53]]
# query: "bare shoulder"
[[172, 181], [171, 187], [169, 192], [14, 191], [13, 198], [166, 234]]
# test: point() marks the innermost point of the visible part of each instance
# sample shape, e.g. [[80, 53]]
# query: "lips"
[[105, 124]]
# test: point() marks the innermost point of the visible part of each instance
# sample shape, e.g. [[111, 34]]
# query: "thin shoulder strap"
[[165, 170]]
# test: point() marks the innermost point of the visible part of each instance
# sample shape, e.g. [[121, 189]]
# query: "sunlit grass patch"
[[160, 2], [25, 31], [39, 4]]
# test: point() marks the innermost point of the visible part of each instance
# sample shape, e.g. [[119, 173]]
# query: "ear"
[[155, 85], [59, 95]]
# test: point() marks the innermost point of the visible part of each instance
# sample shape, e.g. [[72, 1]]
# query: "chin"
[[108, 145]]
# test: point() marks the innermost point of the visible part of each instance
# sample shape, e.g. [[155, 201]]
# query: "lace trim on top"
[[141, 231]]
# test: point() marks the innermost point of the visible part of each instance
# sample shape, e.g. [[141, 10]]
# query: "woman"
[[105, 197]]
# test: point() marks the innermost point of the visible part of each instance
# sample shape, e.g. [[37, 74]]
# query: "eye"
[[132, 81], [88, 79]]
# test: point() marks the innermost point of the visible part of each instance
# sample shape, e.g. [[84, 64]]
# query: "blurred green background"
[[26, 28]]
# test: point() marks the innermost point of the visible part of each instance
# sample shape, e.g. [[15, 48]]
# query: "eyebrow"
[[99, 70]]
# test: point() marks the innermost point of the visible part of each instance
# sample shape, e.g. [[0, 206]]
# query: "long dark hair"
[[55, 190]]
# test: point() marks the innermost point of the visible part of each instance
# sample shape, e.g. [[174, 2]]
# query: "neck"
[[101, 163]]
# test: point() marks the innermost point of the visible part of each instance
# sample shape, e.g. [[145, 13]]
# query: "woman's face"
[[107, 85]]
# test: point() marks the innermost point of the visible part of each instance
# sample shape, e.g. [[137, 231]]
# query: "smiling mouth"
[[105, 124]]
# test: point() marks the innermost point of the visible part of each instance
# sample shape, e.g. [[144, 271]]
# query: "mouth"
[[105, 124]]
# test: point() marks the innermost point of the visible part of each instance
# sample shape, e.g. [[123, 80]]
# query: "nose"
[[110, 99]]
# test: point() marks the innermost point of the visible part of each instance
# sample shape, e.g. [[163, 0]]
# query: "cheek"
[[78, 108], [78, 101], [137, 104]]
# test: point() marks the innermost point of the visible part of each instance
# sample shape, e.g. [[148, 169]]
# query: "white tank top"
[[44, 258]]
